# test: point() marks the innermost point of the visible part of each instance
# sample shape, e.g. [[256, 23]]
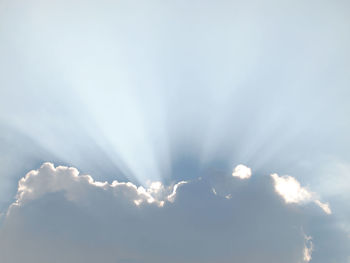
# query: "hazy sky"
[[175, 91]]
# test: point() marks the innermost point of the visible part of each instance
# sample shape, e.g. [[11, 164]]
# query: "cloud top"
[[49, 179]]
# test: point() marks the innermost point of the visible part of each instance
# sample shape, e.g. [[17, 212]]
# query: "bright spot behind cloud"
[[241, 171]]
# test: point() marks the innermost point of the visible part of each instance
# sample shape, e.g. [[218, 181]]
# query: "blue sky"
[[169, 91]]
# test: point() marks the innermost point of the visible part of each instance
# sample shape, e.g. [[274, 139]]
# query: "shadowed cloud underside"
[[83, 220]]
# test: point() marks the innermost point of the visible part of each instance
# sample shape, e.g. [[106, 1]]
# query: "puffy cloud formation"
[[62, 216], [241, 171], [49, 179]]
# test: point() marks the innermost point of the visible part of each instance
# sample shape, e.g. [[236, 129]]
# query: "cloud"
[[289, 188], [325, 206], [308, 248], [292, 192], [241, 171], [62, 216], [49, 179]]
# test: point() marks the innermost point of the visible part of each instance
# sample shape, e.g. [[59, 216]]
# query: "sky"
[[174, 131]]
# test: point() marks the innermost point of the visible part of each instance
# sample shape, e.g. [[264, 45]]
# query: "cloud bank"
[[62, 216]]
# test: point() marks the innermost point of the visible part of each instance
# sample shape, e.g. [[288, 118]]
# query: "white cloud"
[[49, 179], [290, 189], [325, 206], [292, 192], [308, 249], [241, 171]]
